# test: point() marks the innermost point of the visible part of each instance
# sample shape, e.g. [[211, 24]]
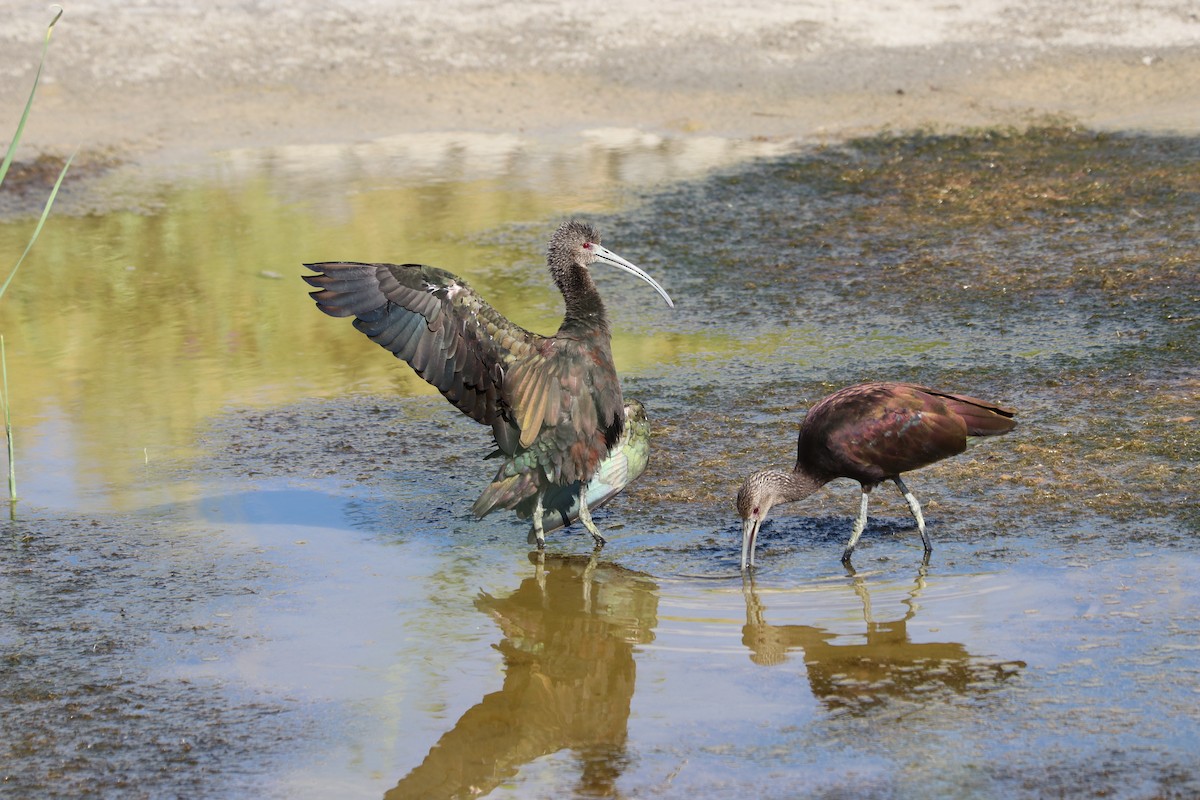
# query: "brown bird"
[[872, 433], [553, 402]]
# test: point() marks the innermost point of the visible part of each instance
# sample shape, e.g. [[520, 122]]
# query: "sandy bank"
[[171, 82]]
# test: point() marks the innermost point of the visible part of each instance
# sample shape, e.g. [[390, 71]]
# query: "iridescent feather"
[[553, 402]]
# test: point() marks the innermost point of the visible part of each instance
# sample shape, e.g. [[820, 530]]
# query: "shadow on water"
[[245, 562]]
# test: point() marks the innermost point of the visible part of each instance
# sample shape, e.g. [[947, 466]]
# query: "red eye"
[[587, 245], [756, 511]]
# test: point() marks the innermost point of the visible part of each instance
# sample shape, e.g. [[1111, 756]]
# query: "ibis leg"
[[538, 532], [915, 508], [585, 516], [857, 530]]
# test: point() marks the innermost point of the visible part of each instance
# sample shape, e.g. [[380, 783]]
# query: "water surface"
[[244, 562]]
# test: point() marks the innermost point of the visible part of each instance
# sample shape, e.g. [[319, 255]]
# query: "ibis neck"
[[794, 485], [585, 311]]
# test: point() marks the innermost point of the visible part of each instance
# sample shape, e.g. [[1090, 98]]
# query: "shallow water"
[[244, 562]]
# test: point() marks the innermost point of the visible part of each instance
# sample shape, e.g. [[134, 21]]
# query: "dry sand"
[[171, 82]]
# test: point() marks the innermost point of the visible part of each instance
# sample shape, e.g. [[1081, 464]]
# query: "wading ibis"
[[872, 433], [553, 402]]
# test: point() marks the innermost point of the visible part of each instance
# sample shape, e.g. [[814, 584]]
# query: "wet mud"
[[103, 618], [1053, 270]]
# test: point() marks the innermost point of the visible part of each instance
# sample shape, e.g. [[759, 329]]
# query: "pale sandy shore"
[[172, 82]]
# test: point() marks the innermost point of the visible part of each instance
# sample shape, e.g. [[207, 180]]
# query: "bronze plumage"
[[871, 433], [553, 402]]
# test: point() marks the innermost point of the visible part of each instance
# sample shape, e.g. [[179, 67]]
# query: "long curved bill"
[[749, 535], [609, 257]]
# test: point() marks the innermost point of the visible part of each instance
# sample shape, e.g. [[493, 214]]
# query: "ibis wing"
[[534, 389], [875, 431], [981, 417], [491, 369], [902, 440], [569, 429], [624, 464]]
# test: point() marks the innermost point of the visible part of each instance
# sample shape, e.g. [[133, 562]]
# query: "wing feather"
[[878, 430], [981, 417], [554, 411], [435, 322], [532, 414], [397, 333], [554, 401], [532, 384]]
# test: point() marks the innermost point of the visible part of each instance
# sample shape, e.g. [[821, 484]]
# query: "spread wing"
[[491, 369]]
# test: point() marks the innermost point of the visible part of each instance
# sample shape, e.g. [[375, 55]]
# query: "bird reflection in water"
[[862, 675], [569, 673]]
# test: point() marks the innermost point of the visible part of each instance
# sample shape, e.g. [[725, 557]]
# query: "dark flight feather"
[[491, 369]]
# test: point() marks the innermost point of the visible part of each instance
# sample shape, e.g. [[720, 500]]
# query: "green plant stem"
[[8, 430], [12, 147], [8, 158], [41, 221]]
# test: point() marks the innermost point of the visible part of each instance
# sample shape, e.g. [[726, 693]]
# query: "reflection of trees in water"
[[862, 675], [569, 674]]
